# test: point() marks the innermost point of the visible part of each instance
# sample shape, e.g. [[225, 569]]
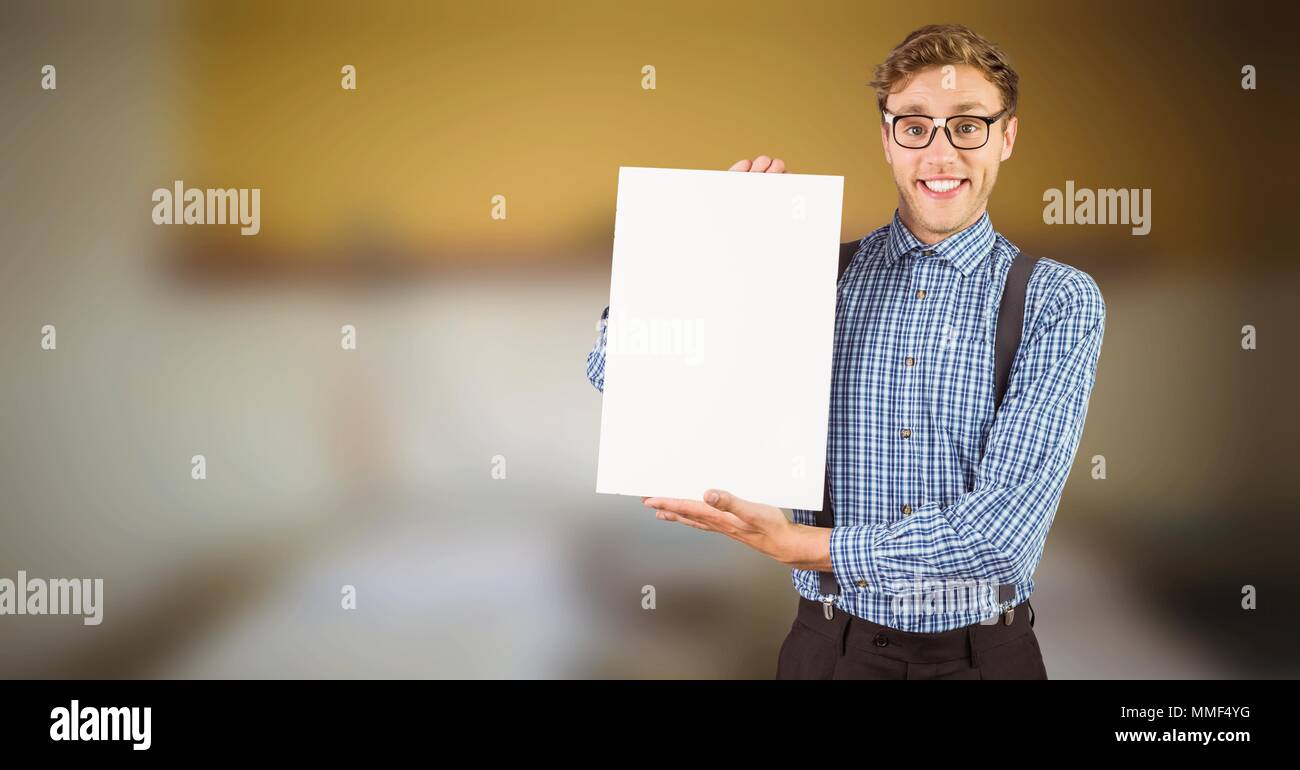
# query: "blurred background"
[[373, 468]]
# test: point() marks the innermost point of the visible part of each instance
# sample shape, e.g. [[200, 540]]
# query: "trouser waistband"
[[850, 631]]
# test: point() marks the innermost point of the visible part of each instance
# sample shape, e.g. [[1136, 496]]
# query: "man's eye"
[[914, 131]]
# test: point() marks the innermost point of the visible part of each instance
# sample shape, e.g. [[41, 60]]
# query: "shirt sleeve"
[[997, 531], [596, 358]]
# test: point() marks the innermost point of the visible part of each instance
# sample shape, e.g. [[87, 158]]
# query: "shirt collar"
[[964, 249]]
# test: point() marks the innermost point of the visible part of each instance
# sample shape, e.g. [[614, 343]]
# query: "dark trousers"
[[848, 647]]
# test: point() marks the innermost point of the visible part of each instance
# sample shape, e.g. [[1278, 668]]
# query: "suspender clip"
[[828, 607]]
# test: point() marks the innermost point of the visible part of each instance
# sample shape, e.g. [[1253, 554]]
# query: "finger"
[[697, 511], [740, 165], [692, 508], [742, 509], [761, 163], [684, 520], [777, 167]]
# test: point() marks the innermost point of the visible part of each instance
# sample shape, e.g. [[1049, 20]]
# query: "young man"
[[942, 500]]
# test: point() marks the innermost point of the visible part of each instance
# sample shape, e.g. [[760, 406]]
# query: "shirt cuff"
[[852, 562]]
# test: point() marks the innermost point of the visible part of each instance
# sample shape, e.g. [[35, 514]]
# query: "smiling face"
[[941, 189]]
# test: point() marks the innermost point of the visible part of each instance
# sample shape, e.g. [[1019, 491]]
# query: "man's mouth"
[[942, 187]]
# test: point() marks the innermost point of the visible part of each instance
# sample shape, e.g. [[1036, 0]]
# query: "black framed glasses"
[[965, 132]]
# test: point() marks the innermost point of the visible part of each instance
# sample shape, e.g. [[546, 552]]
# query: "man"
[[934, 488]]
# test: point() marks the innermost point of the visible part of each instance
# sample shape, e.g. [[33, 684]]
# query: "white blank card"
[[720, 335]]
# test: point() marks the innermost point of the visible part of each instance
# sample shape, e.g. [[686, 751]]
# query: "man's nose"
[[941, 150]]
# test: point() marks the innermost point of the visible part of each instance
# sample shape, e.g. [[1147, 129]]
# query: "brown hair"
[[935, 45]]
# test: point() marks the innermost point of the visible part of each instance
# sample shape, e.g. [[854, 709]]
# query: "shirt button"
[[862, 583], [910, 361], [907, 509], [920, 293], [905, 432]]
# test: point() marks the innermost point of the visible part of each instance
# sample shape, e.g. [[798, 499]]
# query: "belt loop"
[[844, 633], [970, 640], [1030, 607]]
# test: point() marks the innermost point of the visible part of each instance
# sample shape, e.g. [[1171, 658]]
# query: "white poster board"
[[720, 335]]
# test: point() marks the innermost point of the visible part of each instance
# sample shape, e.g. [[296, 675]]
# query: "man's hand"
[[760, 164], [761, 527]]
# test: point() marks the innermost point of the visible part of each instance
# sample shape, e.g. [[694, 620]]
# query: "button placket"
[[919, 312]]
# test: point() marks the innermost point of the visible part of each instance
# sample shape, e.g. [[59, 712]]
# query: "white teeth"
[[942, 185]]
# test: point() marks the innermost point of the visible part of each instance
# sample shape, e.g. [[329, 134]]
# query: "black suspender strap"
[[1011, 314]]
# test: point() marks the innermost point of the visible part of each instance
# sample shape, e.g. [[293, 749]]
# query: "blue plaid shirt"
[[936, 502]]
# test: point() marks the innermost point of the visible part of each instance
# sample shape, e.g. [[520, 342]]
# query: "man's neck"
[[930, 238]]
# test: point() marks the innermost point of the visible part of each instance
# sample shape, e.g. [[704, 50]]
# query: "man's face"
[[934, 214]]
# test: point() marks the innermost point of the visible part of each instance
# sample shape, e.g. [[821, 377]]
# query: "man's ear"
[[1009, 136], [884, 142]]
